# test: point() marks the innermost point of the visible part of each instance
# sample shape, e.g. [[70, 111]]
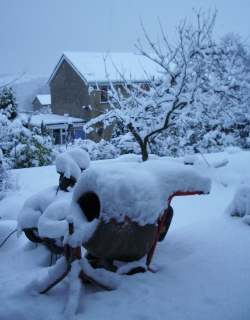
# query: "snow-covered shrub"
[[7, 180], [8, 104], [3, 176], [125, 144], [97, 150], [30, 148], [24, 147]]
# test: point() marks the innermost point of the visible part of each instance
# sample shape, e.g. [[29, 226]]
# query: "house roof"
[[49, 119], [44, 99], [98, 67]]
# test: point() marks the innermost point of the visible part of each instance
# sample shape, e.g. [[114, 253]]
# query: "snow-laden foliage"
[[3, 176], [8, 104], [24, 147], [101, 150], [199, 98]]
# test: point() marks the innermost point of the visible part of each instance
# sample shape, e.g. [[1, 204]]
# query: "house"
[[58, 126], [42, 103], [80, 81]]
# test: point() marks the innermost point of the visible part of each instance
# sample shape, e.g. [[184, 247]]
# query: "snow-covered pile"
[[71, 163], [53, 223], [81, 157], [240, 205], [138, 191], [36, 205], [67, 166]]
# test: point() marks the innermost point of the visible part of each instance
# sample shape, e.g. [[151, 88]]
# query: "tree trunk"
[[142, 143], [144, 151]]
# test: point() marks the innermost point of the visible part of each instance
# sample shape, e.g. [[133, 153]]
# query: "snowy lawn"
[[203, 265]]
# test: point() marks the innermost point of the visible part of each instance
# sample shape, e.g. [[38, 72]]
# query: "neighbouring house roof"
[[98, 67], [44, 99], [49, 119]]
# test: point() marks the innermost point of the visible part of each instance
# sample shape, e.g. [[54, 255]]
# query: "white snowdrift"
[[240, 205]]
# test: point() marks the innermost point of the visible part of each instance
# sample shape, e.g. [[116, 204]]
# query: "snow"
[[202, 266], [47, 210], [72, 162], [44, 99], [66, 165], [81, 157], [48, 119], [100, 67], [122, 188], [53, 223], [240, 205], [107, 278], [52, 274], [34, 207]]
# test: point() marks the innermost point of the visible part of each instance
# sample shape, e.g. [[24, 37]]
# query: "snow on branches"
[[200, 86], [146, 110]]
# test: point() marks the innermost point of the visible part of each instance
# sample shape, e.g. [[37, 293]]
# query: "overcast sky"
[[34, 33]]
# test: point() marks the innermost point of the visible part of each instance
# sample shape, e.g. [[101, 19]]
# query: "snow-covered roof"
[[49, 119], [98, 67], [44, 99]]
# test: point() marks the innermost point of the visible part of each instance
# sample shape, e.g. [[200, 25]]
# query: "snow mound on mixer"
[[66, 165], [53, 223], [81, 157], [139, 191], [36, 205]]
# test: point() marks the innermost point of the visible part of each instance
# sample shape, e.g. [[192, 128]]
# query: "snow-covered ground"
[[202, 265]]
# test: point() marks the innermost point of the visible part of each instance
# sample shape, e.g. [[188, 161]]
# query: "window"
[[56, 136], [104, 94], [100, 131]]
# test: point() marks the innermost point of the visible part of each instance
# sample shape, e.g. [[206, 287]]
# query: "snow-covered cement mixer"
[[118, 208]]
